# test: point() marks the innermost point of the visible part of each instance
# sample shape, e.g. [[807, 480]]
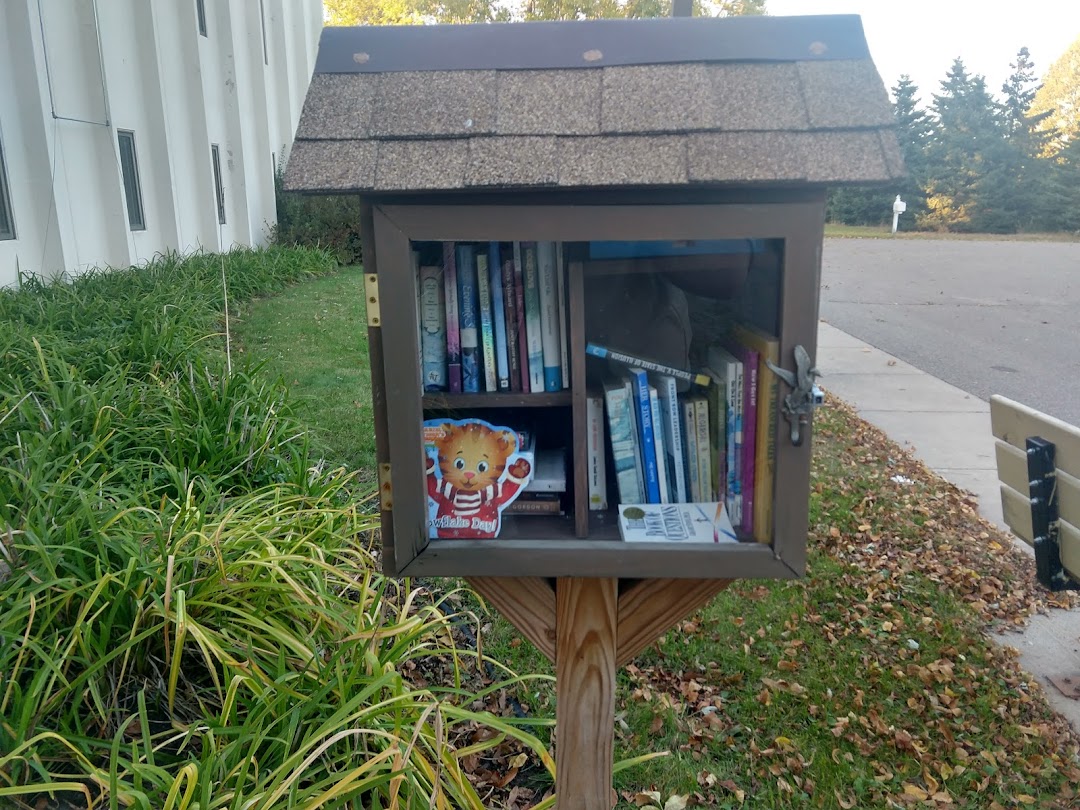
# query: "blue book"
[[502, 351], [648, 440], [469, 312], [548, 282]]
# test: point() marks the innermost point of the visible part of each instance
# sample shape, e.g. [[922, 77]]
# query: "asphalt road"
[[990, 317]]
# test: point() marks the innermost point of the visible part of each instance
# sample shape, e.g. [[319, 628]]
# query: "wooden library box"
[[593, 265]]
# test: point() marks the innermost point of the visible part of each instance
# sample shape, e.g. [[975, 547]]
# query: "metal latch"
[[371, 294], [804, 396]]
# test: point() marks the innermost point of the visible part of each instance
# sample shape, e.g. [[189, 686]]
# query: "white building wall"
[[143, 66]]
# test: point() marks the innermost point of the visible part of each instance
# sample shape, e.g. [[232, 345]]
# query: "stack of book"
[[543, 495], [492, 317], [716, 443]]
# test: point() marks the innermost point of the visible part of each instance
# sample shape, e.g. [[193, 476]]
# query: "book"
[[622, 434], [748, 369], [729, 368], [551, 344], [645, 432], [768, 348], [513, 355], [523, 334], [677, 522], [597, 350], [718, 412], [564, 325], [658, 440], [701, 439], [635, 425], [597, 466], [469, 319], [498, 307], [533, 333], [433, 327], [538, 503], [549, 472], [689, 421], [487, 323], [667, 391], [453, 323]]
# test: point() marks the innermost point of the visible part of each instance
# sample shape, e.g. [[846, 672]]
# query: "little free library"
[[592, 259]]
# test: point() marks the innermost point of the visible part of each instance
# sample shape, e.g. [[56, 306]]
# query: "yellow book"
[[768, 348]]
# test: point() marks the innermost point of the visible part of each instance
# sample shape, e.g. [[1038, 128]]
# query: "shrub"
[[326, 222]]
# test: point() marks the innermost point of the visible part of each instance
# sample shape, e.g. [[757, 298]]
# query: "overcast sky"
[[922, 37]]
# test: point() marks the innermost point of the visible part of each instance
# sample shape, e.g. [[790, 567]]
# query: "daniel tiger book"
[[474, 470]]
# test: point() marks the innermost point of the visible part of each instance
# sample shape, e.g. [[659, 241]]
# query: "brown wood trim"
[[400, 346], [378, 389], [573, 557], [440, 401], [652, 606], [586, 627], [528, 603], [576, 289], [757, 194]]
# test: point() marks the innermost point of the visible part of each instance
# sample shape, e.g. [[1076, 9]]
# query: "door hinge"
[[371, 291], [386, 489]]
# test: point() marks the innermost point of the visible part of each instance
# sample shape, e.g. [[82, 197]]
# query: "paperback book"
[[453, 323], [468, 304], [675, 523], [433, 327]]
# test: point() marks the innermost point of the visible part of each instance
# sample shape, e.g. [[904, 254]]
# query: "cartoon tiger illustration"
[[472, 460]]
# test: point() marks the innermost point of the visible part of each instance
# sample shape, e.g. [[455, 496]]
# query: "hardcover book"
[[487, 323], [433, 327], [597, 465], [623, 436], [675, 523], [468, 307], [453, 322], [533, 330], [498, 306], [551, 346], [640, 380]]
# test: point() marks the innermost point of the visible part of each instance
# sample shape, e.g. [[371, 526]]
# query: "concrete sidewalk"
[[949, 430]]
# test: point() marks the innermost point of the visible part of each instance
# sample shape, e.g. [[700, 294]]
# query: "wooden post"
[[586, 612]]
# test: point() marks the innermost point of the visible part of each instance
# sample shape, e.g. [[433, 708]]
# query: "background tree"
[[1059, 99], [403, 12]]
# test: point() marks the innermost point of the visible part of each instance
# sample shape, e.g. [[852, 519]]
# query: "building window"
[[219, 190], [7, 216], [200, 14], [262, 22], [129, 166]]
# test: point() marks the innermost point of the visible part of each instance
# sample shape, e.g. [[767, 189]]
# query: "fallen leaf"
[[676, 803]]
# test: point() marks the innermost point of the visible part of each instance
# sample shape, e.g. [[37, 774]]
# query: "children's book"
[[474, 469], [469, 306], [675, 523], [453, 322], [551, 346], [498, 307], [487, 323]]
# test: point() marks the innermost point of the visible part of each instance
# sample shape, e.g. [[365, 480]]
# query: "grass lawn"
[[871, 683], [885, 232]]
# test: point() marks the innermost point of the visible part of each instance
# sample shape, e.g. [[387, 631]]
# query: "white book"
[[689, 420], [667, 391], [675, 523], [547, 278], [704, 457], [624, 444], [658, 441], [594, 434], [549, 472]]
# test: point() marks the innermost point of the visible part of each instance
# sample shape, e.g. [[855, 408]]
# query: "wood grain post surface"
[[650, 607], [586, 614], [528, 603]]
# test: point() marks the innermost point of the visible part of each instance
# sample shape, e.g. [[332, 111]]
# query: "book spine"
[[623, 444], [468, 305], [689, 419], [597, 350], [750, 405], [453, 323], [528, 507], [498, 306], [730, 386], [701, 430], [523, 333], [768, 389], [648, 440], [533, 329], [635, 427], [564, 325], [513, 357], [548, 282], [673, 440], [487, 322], [661, 450], [597, 472], [717, 396], [737, 407], [433, 327]]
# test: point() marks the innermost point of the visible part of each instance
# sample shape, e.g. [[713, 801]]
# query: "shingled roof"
[[594, 104]]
